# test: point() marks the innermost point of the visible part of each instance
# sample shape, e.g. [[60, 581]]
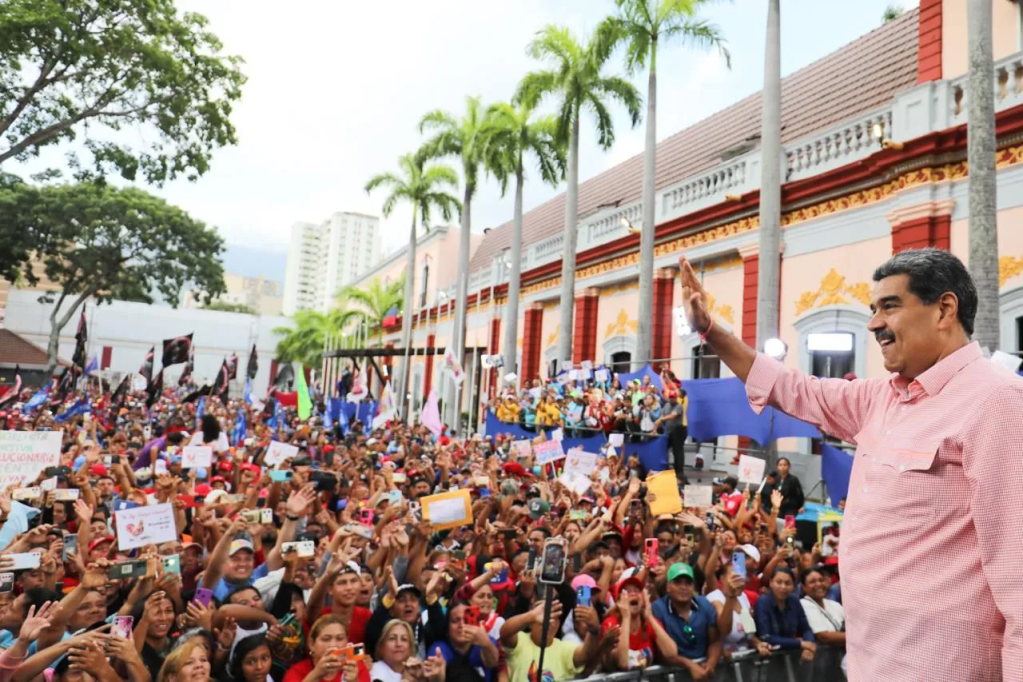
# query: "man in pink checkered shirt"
[[932, 543]]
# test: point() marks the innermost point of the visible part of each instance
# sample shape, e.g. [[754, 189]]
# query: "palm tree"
[[465, 138], [304, 342], [770, 182], [516, 132], [981, 161], [423, 187], [576, 83], [643, 25], [374, 301], [891, 13]]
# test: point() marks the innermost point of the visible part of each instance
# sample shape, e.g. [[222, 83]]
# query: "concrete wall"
[[954, 44]]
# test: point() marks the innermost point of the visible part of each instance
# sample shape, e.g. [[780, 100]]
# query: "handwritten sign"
[[548, 451], [602, 376], [521, 449], [277, 452], [698, 496], [664, 486], [141, 526], [24, 454], [580, 463], [751, 469], [194, 456], [448, 510]]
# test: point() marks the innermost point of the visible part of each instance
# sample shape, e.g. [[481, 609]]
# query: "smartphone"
[[122, 627], [790, 522], [6, 582], [366, 517], [190, 501], [172, 564], [531, 561], [739, 564], [472, 616], [251, 515], [31, 493], [652, 546], [62, 472], [399, 477], [306, 548], [25, 560], [323, 480], [555, 558], [282, 475], [70, 546], [416, 508], [710, 520], [66, 494], [394, 498], [115, 459], [508, 533], [577, 515], [128, 569], [266, 516], [121, 505], [203, 596], [584, 595]]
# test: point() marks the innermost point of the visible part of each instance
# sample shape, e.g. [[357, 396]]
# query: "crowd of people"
[[325, 566]]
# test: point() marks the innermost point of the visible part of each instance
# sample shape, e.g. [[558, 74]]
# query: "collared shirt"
[[933, 509], [782, 627], [702, 617]]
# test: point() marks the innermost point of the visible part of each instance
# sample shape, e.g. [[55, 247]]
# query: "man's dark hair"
[[175, 437], [37, 596], [932, 273], [210, 428]]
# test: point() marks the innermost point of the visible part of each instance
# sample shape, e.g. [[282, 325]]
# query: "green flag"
[[305, 404]]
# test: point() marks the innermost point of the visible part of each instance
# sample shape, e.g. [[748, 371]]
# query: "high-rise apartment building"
[[323, 258]]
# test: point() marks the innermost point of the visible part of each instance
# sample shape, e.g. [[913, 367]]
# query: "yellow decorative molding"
[[552, 338], [1008, 267], [621, 325], [554, 303], [723, 312], [833, 291]]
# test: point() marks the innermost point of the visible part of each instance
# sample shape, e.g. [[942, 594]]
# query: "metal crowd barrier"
[[777, 667]]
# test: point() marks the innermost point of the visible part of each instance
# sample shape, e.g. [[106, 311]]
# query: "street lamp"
[[627, 224], [775, 348]]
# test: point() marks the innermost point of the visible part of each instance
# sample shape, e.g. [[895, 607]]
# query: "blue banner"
[[646, 371], [346, 412], [719, 407], [836, 468]]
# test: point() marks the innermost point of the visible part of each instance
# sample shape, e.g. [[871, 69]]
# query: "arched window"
[[832, 341], [618, 353], [550, 361]]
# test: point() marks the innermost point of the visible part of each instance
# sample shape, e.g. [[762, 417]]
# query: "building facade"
[[874, 161], [326, 257], [259, 294]]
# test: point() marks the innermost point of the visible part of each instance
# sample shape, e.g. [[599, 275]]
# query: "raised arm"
[[218, 558]]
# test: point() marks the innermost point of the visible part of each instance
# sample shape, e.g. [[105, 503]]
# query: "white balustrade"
[[607, 227], [705, 189], [851, 141], [1008, 87]]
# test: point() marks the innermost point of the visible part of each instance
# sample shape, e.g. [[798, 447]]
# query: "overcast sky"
[[336, 90]]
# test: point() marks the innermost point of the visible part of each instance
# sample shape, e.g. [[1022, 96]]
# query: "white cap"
[[751, 551]]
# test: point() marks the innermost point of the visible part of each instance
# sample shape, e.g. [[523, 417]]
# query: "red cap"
[[218, 479], [328, 448], [226, 465], [251, 467], [203, 489], [98, 470], [99, 541], [513, 468]]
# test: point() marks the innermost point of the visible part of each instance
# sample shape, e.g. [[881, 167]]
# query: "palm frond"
[[625, 92]]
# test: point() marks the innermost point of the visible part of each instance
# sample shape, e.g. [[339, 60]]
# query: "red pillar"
[[532, 337], [431, 342], [495, 342], [751, 268], [664, 295], [928, 61], [104, 362], [584, 345], [922, 232], [273, 371]]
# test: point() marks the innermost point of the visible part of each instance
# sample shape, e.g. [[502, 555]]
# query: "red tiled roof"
[[15, 350], [860, 77]]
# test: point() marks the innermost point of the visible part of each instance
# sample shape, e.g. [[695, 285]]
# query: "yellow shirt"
[[685, 408], [548, 414], [557, 661]]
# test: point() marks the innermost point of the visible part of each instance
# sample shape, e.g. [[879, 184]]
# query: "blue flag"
[[92, 366], [200, 409], [38, 399], [240, 428], [277, 419], [342, 421], [328, 423], [248, 391], [80, 407]]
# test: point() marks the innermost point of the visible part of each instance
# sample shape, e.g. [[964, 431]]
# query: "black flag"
[[221, 382], [81, 341], [120, 393], [176, 350], [146, 370], [253, 366], [65, 386], [154, 390], [194, 395], [15, 389], [285, 377], [186, 375], [232, 366]]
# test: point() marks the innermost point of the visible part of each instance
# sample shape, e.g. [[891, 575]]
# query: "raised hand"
[[434, 667], [299, 502], [37, 621], [694, 298]]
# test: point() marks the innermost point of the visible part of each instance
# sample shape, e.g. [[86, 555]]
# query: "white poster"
[[141, 526], [751, 469], [194, 456], [698, 496], [616, 439], [602, 376], [452, 366], [558, 435], [24, 454], [548, 451], [277, 452], [580, 463]]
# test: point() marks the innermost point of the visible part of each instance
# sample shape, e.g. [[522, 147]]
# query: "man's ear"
[[948, 306]]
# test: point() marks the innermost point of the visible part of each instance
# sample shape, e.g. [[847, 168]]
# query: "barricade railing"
[[779, 666]]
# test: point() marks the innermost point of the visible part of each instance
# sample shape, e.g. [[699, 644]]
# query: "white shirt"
[[829, 619], [222, 445], [743, 625], [381, 671]]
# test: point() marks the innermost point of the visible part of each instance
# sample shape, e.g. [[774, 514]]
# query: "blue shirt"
[[225, 588], [692, 641], [835, 593], [782, 628], [474, 657]]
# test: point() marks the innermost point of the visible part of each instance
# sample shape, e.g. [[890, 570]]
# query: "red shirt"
[[298, 672], [732, 503], [641, 642], [356, 626]]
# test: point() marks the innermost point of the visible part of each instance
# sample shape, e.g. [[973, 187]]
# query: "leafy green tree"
[[372, 302], [228, 307], [516, 132], [645, 25], [18, 233], [576, 82], [424, 187], [97, 241], [95, 67], [304, 341], [891, 12]]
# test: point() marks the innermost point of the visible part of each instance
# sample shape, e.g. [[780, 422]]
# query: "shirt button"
[[902, 467], [903, 408], [873, 459], [888, 432], [865, 491]]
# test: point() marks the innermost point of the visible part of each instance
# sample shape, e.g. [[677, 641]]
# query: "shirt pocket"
[[895, 480]]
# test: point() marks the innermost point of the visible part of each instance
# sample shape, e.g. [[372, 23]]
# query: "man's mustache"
[[883, 335]]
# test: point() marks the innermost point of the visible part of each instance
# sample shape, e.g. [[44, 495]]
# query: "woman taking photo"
[[327, 638]]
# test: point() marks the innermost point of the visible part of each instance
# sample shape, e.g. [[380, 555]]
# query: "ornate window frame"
[[834, 318]]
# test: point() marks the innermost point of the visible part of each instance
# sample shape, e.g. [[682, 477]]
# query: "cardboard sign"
[[277, 452], [141, 526], [195, 456], [521, 449], [448, 510], [616, 439], [548, 451], [602, 376], [580, 463], [664, 486], [25, 454], [699, 496], [751, 469], [558, 435]]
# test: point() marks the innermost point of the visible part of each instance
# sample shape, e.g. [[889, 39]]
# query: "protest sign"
[[24, 454], [451, 366], [141, 526], [664, 486], [448, 510], [751, 469], [558, 435], [278, 452], [580, 463], [698, 496], [194, 456], [521, 449], [548, 451]]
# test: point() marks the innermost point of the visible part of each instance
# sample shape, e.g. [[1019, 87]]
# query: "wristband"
[[289, 517], [703, 334]]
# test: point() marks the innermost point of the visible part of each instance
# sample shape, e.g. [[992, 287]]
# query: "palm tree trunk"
[[645, 342], [983, 185], [770, 183], [511, 307], [568, 255], [461, 294], [408, 311]]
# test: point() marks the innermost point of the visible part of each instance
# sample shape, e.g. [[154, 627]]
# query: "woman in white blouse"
[[826, 617], [211, 435]]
